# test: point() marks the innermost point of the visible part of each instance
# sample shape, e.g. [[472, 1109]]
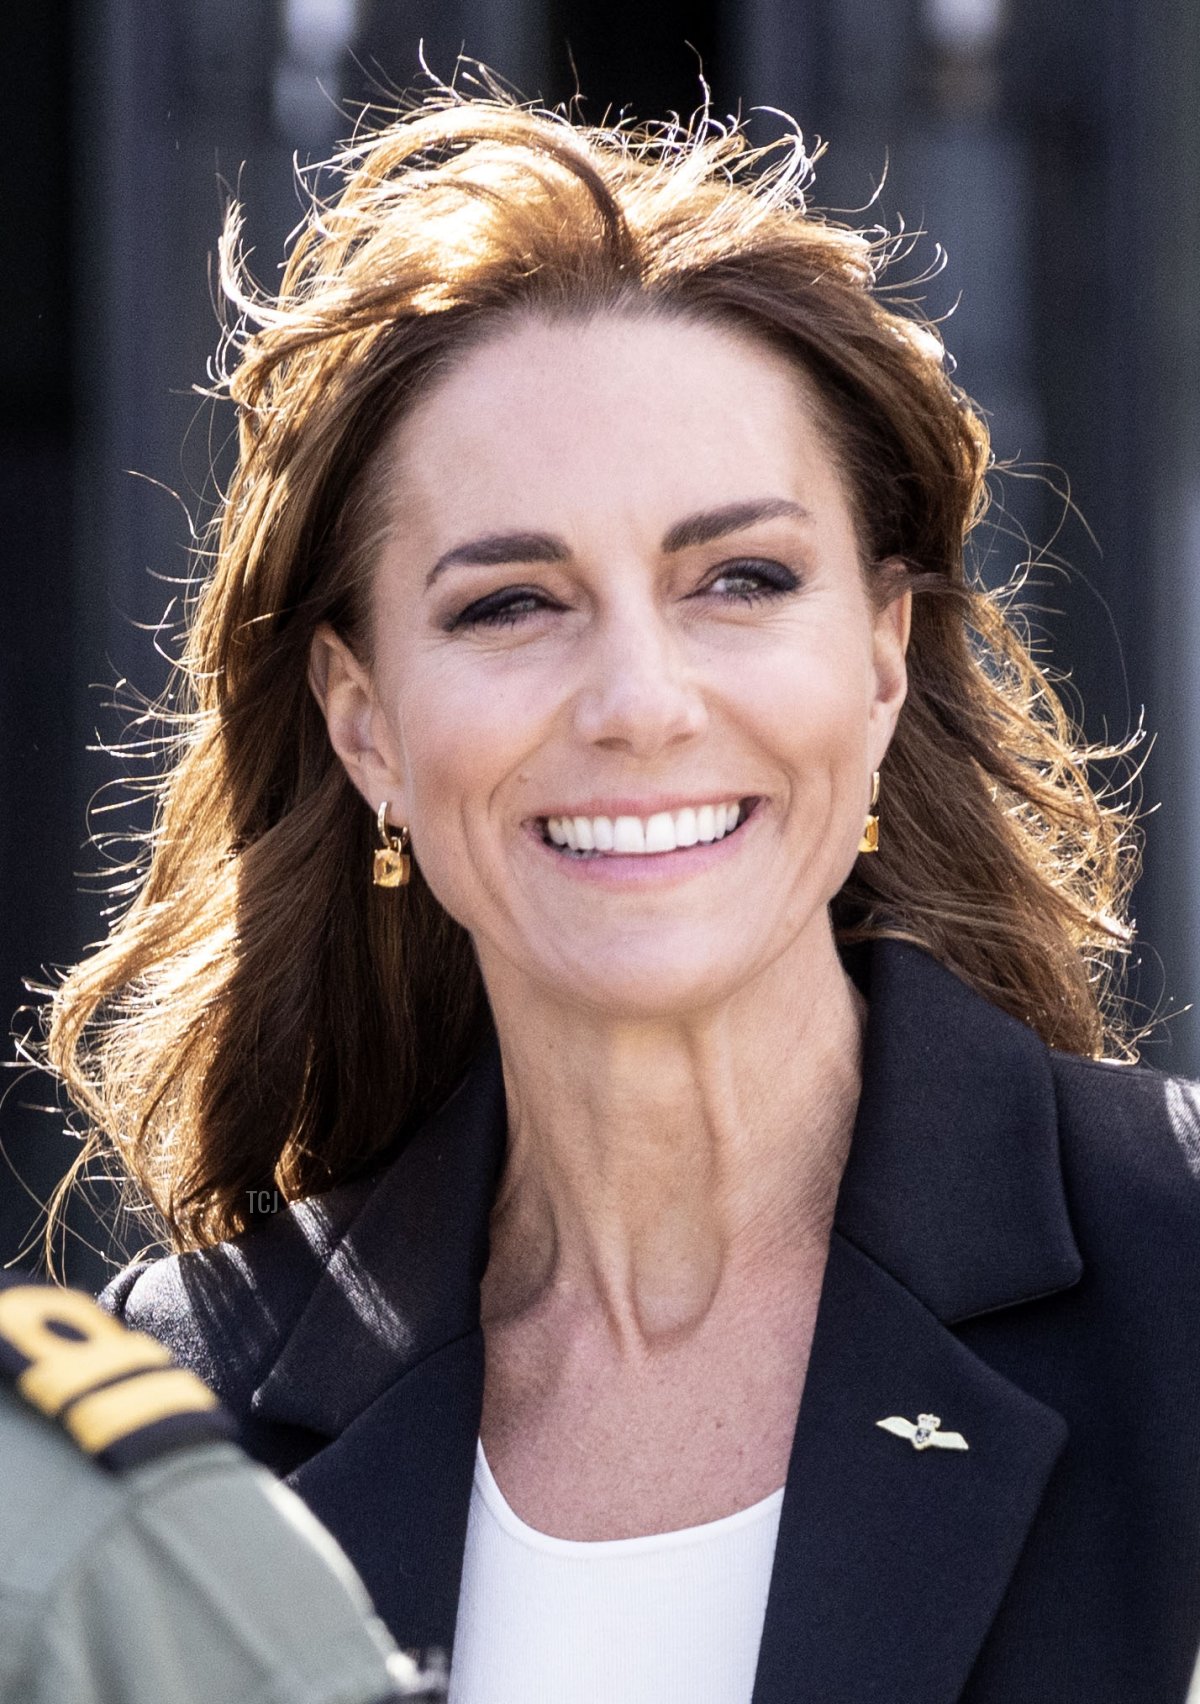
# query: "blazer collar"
[[953, 1182], [403, 1281], [951, 1205]]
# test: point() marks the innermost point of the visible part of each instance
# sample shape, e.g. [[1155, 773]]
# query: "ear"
[[892, 626], [358, 728]]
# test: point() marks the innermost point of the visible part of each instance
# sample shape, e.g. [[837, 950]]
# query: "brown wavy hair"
[[260, 1017]]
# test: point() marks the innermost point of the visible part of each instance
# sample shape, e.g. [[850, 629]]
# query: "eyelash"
[[506, 614]]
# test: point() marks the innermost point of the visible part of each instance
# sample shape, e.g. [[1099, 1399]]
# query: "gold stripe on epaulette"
[[63, 1368], [98, 1420]]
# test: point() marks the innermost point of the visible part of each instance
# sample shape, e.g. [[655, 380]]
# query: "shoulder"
[[225, 1311], [1129, 1139], [130, 1522], [115, 1392], [1138, 1117]]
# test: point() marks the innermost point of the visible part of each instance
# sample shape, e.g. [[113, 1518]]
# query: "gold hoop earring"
[[391, 866], [870, 833]]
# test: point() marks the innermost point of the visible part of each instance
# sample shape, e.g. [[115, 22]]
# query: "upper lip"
[[640, 807]]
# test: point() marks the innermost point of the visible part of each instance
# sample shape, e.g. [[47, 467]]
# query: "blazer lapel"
[[395, 1490], [891, 1562]]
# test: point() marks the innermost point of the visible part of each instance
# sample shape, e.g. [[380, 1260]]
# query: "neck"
[[655, 1172]]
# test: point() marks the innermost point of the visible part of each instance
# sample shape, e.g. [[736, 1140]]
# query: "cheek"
[[818, 702], [463, 735]]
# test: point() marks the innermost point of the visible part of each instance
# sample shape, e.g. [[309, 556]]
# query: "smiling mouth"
[[747, 807]]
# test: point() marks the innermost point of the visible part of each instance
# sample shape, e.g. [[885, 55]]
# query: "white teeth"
[[662, 832], [686, 832]]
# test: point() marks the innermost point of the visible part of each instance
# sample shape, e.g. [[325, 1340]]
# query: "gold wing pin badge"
[[924, 1433]]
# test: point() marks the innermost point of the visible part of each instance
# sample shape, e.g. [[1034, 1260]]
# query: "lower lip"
[[646, 869]]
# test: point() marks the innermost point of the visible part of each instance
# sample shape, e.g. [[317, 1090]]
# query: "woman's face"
[[621, 579]]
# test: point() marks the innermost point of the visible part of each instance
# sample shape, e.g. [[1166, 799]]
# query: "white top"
[[670, 1618]]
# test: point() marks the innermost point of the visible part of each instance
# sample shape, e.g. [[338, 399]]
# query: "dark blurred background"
[[1052, 150]]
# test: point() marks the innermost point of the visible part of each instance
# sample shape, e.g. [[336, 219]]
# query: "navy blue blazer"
[[1016, 1249]]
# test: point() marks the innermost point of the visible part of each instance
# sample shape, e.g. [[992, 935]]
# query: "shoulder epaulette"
[[116, 1392]]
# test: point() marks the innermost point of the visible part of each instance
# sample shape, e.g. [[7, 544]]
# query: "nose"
[[638, 685]]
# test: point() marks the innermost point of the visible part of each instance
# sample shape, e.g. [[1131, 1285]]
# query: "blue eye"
[[772, 578], [503, 609]]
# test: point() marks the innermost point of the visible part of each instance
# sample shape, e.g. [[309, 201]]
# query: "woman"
[[636, 907]]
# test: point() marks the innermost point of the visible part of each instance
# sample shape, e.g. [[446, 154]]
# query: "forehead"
[[656, 413]]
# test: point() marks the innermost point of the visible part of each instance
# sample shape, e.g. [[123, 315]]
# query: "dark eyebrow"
[[700, 528], [708, 524], [496, 548]]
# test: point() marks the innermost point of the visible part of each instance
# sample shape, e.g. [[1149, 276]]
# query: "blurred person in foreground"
[[635, 896], [143, 1558]]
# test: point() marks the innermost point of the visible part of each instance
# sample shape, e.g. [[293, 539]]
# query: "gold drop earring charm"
[[870, 833], [391, 866]]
